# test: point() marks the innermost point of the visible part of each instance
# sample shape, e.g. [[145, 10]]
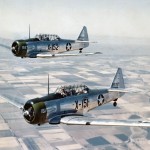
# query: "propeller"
[[29, 113], [15, 48]]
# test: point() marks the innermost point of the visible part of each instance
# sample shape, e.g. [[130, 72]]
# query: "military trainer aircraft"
[[50, 45], [69, 104]]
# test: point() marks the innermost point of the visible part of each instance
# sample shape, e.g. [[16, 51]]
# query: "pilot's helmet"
[[86, 89]]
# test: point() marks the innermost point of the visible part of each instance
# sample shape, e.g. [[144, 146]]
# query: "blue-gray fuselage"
[[23, 48], [56, 105], [49, 43]]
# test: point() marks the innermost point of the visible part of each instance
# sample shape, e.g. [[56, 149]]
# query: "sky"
[[119, 18]]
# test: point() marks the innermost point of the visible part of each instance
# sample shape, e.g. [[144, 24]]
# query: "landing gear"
[[80, 50], [115, 103]]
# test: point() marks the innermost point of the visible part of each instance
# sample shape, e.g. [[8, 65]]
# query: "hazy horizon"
[[67, 17]]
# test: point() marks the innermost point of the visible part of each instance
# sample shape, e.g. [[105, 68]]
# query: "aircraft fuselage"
[[48, 43], [25, 48], [54, 106]]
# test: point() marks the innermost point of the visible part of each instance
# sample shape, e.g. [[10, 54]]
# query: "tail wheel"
[[80, 50], [115, 104]]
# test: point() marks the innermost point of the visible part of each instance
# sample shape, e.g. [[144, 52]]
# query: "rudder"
[[118, 81], [83, 36]]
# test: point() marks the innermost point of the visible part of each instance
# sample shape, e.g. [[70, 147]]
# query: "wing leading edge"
[[13, 102], [46, 55], [79, 120]]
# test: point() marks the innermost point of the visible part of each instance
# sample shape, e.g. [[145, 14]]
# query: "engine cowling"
[[35, 113], [19, 48]]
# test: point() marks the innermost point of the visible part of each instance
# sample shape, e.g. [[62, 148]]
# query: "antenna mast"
[[48, 84], [29, 31]]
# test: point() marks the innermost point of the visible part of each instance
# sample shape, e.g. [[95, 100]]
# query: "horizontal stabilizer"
[[118, 90], [77, 41], [126, 90], [79, 120]]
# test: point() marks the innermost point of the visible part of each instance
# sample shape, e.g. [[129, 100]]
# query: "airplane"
[[50, 45], [69, 104]]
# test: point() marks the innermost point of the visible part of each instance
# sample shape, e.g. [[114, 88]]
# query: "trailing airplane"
[[68, 104], [50, 45]]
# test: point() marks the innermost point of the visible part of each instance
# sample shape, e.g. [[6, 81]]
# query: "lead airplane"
[[50, 45], [69, 104]]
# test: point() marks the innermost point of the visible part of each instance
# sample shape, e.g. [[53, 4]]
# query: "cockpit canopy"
[[47, 37], [72, 90]]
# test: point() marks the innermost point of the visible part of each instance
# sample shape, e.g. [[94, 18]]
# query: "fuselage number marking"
[[84, 103], [53, 47]]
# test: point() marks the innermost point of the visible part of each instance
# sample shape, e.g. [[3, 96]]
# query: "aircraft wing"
[[48, 55], [81, 120], [5, 46], [13, 101]]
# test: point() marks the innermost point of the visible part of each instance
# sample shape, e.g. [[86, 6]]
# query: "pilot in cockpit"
[[63, 92], [86, 90]]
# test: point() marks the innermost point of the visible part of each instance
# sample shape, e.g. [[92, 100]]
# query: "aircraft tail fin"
[[118, 81], [83, 36]]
